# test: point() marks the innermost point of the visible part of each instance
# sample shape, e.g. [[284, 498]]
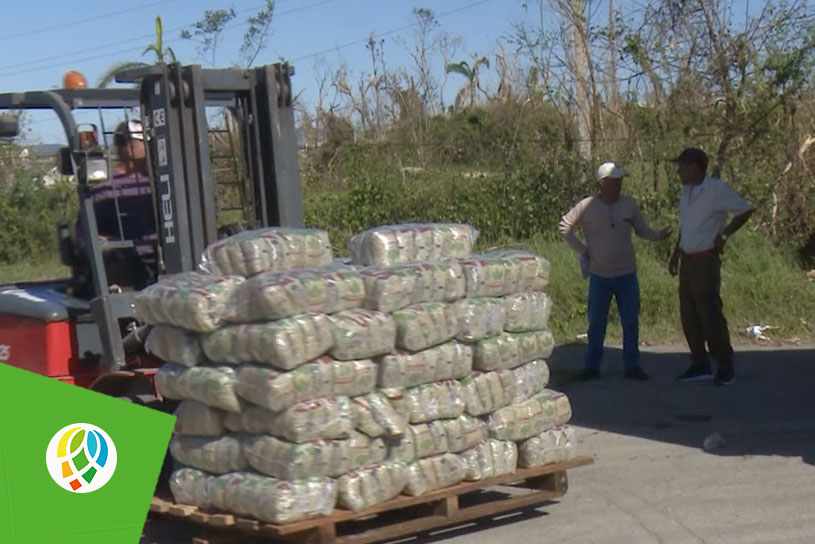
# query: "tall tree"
[[471, 74], [162, 53]]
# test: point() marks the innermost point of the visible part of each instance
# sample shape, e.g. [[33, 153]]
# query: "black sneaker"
[[725, 377], [589, 374], [636, 373], [695, 374]]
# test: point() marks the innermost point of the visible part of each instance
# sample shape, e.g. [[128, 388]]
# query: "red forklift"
[[221, 154]]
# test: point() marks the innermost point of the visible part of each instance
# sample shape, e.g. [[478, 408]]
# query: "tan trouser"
[[701, 309]]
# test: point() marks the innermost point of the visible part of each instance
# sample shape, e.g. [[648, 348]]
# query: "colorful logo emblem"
[[81, 458]]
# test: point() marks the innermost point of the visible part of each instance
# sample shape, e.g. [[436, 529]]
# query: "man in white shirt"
[[705, 203], [608, 220]]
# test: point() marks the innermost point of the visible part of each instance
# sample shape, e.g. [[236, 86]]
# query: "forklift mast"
[[173, 101]]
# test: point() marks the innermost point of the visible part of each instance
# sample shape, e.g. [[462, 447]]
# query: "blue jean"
[[626, 290]]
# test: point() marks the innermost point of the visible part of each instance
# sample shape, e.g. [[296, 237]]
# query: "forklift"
[[91, 337]]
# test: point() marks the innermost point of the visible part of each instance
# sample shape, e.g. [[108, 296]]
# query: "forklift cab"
[[206, 173]]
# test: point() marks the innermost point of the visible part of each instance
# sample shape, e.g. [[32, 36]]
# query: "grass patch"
[[42, 269]]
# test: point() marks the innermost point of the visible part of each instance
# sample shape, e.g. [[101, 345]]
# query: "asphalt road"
[[652, 481]]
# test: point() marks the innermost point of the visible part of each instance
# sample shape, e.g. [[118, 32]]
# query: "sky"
[[48, 37]]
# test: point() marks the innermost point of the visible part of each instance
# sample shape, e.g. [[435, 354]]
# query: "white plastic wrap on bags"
[[317, 458], [490, 459], [210, 384], [272, 500], [390, 288], [216, 455], [323, 377], [360, 334], [553, 446], [372, 485], [530, 379], [497, 353], [438, 400], [479, 318], [276, 295], [174, 345], [401, 368], [192, 301], [198, 419], [528, 311], [463, 432], [534, 345], [500, 273], [486, 392], [330, 417], [434, 473], [273, 249], [422, 326], [402, 448], [532, 417], [376, 417], [284, 344], [512, 349], [408, 243], [190, 486], [429, 439]]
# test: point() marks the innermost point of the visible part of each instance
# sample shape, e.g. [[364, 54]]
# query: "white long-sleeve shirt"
[[607, 229]]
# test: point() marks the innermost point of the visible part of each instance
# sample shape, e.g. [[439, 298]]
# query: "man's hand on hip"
[[673, 264], [719, 243]]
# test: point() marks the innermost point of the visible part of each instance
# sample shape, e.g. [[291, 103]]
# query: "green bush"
[[29, 213]]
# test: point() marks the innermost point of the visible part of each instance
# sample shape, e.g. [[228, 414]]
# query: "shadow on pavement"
[[769, 410]]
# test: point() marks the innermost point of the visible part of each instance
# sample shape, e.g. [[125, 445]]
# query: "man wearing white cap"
[[123, 206], [608, 218]]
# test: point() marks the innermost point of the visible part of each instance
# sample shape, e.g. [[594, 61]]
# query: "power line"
[[4, 70], [388, 32], [81, 21]]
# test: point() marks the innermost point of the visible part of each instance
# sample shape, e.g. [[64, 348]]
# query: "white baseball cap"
[[610, 170]]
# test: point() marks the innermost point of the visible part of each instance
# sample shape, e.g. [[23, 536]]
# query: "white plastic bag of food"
[[408, 243], [197, 419], [434, 473], [252, 252], [317, 458], [490, 459], [174, 345], [497, 353], [429, 439], [284, 344], [452, 360], [486, 392], [213, 385], [272, 500], [556, 445], [390, 288], [511, 350], [323, 377], [534, 345], [191, 300], [463, 432], [330, 417], [361, 334], [277, 295], [376, 417], [527, 311], [505, 272], [532, 417], [438, 400], [530, 378], [191, 486], [371, 485], [425, 325], [216, 455], [479, 318]]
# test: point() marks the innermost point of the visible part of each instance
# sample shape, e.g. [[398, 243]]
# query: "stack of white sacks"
[[307, 384]]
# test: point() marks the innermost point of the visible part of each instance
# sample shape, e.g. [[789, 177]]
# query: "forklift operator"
[[124, 211]]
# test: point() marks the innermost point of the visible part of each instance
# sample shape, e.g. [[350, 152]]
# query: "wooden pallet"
[[401, 516]]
